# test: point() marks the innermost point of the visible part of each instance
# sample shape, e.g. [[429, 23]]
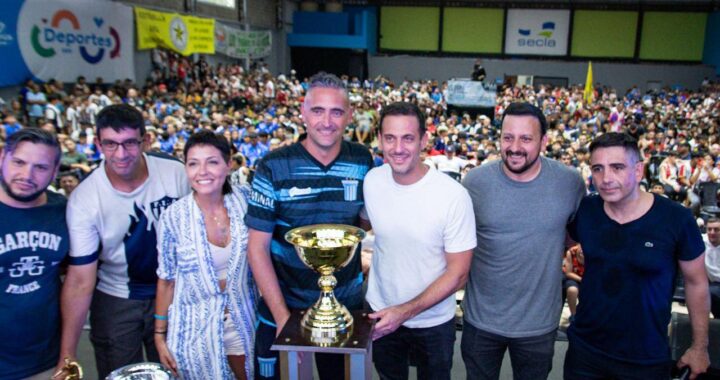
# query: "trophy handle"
[[73, 370]]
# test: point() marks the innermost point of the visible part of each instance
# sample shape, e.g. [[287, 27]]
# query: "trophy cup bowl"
[[326, 248]]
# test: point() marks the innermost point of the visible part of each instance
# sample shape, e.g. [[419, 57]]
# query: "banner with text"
[[537, 31], [467, 93], [183, 34], [64, 39], [238, 43]]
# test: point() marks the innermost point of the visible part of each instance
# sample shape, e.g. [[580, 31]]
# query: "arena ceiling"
[[676, 5]]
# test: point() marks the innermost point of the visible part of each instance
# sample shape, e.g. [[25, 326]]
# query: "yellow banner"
[[183, 34]]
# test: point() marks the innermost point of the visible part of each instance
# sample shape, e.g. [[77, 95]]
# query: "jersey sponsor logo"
[[296, 191], [22, 289], [30, 265], [30, 239], [649, 244], [262, 200]]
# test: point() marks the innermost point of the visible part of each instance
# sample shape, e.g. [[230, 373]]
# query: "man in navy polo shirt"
[[633, 241]]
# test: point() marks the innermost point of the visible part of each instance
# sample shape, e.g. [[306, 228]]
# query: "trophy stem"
[[327, 321]]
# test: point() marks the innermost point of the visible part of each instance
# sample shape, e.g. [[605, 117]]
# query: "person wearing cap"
[[522, 206], [418, 263], [449, 163], [253, 150]]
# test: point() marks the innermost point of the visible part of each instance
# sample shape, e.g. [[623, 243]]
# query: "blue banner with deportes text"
[[64, 39]]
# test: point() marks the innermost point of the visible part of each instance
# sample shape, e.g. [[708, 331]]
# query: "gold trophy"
[[326, 248]]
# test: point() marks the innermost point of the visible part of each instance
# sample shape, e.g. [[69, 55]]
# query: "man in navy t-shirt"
[[633, 241], [33, 242]]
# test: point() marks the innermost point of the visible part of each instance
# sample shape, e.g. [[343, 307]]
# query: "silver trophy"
[[141, 371]]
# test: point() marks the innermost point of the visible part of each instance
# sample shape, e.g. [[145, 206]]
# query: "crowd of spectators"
[[677, 129]]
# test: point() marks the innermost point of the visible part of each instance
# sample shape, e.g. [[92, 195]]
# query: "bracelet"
[[161, 332], [160, 317]]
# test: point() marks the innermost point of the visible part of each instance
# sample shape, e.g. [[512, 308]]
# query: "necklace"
[[220, 232]]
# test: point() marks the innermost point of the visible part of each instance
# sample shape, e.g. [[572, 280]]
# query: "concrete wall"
[[711, 54], [261, 13], [618, 75]]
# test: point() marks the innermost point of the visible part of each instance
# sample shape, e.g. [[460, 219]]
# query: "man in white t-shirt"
[[424, 235], [712, 263], [111, 218]]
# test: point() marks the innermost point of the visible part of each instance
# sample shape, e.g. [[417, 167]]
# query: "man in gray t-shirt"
[[522, 205]]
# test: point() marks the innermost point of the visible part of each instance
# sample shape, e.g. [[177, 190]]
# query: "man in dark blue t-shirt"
[[318, 180], [633, 241], [33, 242]]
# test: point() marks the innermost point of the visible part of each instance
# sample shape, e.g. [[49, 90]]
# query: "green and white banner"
[[238, 43]]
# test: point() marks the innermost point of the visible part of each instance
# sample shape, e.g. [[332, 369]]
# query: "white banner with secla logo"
[[537, 32]]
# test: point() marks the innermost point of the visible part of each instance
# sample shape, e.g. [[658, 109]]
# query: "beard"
[[523, 168], [20, 198]]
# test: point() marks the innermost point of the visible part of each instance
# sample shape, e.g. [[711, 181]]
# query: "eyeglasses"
[[129, 145]]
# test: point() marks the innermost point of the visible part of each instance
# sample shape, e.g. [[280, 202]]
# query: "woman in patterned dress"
[[205, 305]]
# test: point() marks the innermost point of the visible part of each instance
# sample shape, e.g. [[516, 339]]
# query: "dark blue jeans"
[[433, 347], [483, 353], [583, 364]]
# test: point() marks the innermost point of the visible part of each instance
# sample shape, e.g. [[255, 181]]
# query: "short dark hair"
[[118, 117], [712, 220], [206, 137], [35, 136], [622, 140], [404, 109], [526, 109]]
